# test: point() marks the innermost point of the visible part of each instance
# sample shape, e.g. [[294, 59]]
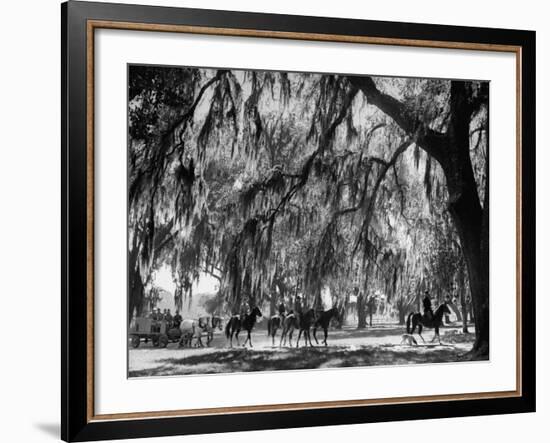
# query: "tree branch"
[[425, 137]]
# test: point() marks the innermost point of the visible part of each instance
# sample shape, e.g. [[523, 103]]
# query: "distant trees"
[[278, 184]]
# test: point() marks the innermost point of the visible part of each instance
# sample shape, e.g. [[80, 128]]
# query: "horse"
[[274, 323], [435, 322], [323, 321], [289, 324], [211, 324], [235, 324], [191, 328], [306, 321]]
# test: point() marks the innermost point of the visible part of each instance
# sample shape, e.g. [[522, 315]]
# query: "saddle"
[[427, 317]]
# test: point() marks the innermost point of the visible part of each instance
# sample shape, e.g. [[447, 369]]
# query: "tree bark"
[[136, 296], [471, 221], [401, 312], [361, 312]]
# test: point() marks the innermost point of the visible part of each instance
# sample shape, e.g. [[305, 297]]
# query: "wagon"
[[155, 330]]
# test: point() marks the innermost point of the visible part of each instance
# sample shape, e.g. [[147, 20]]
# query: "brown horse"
[[274, 323], [435, 322], [289, 324], [236, 323], [323, 321], [306, 321]]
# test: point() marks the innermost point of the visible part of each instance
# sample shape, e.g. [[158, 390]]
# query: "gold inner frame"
[[96, 24]]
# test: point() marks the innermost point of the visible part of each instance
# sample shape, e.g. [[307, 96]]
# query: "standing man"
[[371, 302], [427, 304]]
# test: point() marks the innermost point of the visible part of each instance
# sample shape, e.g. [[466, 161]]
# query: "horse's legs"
[[326, 334], [237, 336], [249, 338], [436, 334], [290, 337], [420, 332], [413, 325], [298, 339], [315, 335]]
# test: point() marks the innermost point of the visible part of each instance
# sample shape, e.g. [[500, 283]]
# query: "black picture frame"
[[76, 422]]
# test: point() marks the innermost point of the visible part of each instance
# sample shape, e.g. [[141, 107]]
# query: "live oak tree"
[[277, 184], [451, 149]]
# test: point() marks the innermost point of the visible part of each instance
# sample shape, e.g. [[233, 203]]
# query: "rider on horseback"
[[282, 310], [427, 304]]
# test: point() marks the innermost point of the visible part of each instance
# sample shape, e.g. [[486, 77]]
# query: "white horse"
[[193, 329]]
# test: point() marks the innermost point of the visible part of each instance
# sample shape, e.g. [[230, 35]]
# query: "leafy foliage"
[[284, 183]]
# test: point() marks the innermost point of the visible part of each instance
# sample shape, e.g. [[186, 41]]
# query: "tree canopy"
[[278, 183]]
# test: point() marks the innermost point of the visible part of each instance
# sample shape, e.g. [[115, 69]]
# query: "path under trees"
[[284, 184]]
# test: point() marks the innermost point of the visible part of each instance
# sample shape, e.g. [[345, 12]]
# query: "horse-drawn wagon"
[[158, 331], [161, 332]]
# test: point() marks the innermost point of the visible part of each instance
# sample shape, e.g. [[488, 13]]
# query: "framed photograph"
[[277, 221]]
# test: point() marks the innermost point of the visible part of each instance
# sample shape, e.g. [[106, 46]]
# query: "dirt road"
[[348, 347]]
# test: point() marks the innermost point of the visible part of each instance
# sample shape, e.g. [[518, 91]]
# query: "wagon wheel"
[[135, 341], [163, 340], [155, 341]]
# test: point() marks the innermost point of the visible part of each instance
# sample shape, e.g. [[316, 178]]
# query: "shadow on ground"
[[247, 360]]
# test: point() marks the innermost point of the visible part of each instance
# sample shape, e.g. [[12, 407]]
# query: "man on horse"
[[298, 304], [427, 304], [282, 310]]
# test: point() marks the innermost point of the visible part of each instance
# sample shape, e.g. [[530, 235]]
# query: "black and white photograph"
[[242, 221], [294, 220]]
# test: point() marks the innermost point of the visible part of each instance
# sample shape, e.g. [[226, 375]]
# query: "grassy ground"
[[347, 348]]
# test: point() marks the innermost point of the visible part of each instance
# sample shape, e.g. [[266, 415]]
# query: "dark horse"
[[289, 324], [323, 321], [435, 322], [274, 323], [305, 323], [236, 323]]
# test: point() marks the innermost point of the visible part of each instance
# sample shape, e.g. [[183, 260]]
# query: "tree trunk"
[[463, 308], [136, 296], [474, 254], [471, 221], [401, 312], [361, 312]]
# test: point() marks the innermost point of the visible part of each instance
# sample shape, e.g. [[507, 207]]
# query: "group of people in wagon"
[[172, 321]]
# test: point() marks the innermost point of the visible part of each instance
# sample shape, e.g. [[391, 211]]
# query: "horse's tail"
[[269, 327], [228, 328], [409, 330]]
